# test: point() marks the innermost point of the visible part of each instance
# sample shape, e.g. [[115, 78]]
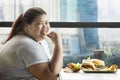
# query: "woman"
[[25, 55]]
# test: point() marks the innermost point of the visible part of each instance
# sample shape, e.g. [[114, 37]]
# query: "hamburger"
[[88, 66], [91, 64], [98, 63]]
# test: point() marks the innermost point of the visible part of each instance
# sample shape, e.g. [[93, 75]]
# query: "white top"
[[89, 76], [18, 54]]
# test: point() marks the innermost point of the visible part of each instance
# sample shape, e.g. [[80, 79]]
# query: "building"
[[80, 11]]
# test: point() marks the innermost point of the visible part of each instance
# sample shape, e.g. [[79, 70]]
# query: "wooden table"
[[89, 76]]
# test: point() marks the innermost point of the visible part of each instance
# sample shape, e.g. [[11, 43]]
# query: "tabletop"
[[89, 76]]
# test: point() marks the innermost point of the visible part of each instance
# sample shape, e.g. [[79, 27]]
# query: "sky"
[[109, 11], [109, 34]]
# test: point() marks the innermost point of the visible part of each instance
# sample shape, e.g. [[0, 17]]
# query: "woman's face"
[[39, 28]]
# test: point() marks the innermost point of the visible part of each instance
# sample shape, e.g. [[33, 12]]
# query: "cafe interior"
[[89, 30]]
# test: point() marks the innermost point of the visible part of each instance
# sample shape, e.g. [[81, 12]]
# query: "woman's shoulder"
[[22, 39]]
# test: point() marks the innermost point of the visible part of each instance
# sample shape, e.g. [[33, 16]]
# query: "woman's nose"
[[45, 26]]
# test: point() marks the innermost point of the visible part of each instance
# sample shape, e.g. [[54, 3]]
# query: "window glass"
[[10, 9], [108, 10], [65, 10], [3, 35], [78, 43]]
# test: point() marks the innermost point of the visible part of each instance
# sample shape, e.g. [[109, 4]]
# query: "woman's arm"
[[57, 60], [42, 71], [50, 70]]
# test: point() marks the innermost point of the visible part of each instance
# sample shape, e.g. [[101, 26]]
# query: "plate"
[[99, 71]]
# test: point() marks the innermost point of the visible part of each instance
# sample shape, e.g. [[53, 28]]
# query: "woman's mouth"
[[44, 33]]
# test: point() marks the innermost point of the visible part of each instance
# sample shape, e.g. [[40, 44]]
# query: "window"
[[65, 10], [16, 7], [78, 42]]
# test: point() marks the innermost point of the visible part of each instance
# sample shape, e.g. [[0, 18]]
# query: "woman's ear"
[[26, 27]]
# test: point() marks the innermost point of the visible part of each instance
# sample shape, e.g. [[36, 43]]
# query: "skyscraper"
[[87, 10], [81, 11]]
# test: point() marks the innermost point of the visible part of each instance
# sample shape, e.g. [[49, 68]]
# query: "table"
[[89, 76]]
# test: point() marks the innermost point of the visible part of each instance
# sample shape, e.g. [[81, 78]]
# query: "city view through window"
[[78, 43]]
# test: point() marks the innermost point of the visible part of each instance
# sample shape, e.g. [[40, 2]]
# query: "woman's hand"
[[55, 37]]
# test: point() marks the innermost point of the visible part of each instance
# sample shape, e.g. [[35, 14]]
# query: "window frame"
[[75, 24]]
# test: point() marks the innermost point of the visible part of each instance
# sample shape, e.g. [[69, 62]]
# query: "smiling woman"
[[25, 54]]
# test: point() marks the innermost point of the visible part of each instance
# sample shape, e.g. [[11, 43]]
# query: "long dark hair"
[[27, 17]]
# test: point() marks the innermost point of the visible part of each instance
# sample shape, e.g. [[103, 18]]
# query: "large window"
[[65, 10], [78, 42]]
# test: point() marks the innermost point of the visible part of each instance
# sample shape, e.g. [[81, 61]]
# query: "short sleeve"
[[33, 54]]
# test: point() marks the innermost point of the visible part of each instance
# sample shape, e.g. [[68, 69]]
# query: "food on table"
[[112, 67], [92, 64], [98, 62], [67, 69], [97, 65], [87, 66], [88, 58], [72, 67]]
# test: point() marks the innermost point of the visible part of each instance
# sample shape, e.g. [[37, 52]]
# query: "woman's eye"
[[39, 23], [46, 22]]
